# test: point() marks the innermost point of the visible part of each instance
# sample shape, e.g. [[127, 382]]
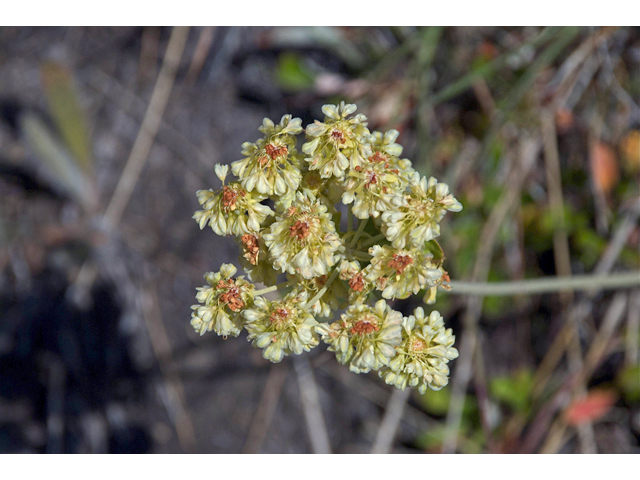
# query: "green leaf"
[[514, 390], [66, 112], [292, 73], [628, 381]]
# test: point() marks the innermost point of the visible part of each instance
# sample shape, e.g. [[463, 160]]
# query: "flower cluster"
[[343, 224]]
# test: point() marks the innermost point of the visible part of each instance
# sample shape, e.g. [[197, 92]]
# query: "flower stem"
[[373, 240], [548, 285], [363, 223], [271, 289], [323, 290]]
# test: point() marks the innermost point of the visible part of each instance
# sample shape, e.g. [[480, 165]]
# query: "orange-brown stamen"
[[356, 283], [400, 262], [378, 157], [251, 248], [231, 297], [229, 197], [279, 315], [364, 327], [300, 230], [275, 152], [338, 136]]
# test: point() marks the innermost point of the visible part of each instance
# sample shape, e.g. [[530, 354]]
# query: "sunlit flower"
[[359, 287], [373, 183], [401, 272], [271, 165], [222, 302], [281, 327], [413, 218], [337, 143], [304, 240], [421, 359], [365, 336], [231, 210]]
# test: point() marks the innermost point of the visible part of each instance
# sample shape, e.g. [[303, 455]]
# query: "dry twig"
[[266, 408], [311, 406]]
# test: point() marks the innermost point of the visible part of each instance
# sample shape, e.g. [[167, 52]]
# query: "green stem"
[[363, 223], [323, 290], [373, 240], [548, 285], [272, 288]]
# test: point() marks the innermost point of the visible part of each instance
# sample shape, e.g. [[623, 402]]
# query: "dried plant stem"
[[390, 422], [508, 200], [311, 406], [139, 152], [150, 124], [163, 352], [539, 286], [633, 329], [266, 408], [596, 353]]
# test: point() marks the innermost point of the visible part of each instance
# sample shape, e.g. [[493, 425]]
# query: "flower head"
[[332, 299], [374, 182], [358, 286], [304, 240], [385, 142], [422, 357], [336, 143], [222, 302], [401, 272], [255, 259], [365, 336], [271, 165], [231, 210], [281, 327], [413, 218]]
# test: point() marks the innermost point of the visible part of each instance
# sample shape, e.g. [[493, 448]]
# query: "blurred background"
[[107, 133]]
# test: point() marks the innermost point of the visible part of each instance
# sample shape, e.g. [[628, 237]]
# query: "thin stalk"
[[363, 223], [273, 288], [373, 240], [323, 290], [548, 285]]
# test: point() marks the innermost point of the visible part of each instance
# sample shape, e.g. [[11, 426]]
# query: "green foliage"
[[292, 74], [513, 390], [628, 381]]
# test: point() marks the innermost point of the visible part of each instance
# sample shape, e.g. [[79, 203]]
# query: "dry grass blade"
[[149, 127], [390, 422], [311, 406], [507, 201], [266, 408]]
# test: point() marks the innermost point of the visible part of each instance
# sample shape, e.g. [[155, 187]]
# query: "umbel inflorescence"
[[286, 211]]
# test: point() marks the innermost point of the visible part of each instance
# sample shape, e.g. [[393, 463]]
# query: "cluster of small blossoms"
[[344, 224]]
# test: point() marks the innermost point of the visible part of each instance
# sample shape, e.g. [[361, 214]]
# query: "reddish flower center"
[[229, 197], [417, 345], [400, 262], [231, 297], [275, 152], [356, 283], [300, 230], [251, 248], [364, 327], [338, 136], [279, 315]]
